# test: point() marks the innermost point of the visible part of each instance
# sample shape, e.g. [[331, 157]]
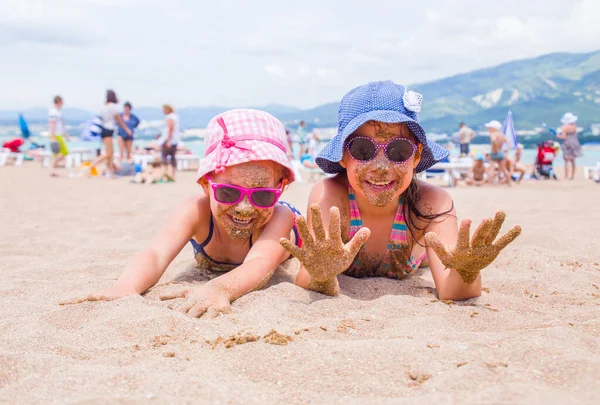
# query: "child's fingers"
[[464, 233], [172, 296], [89, 298], [438, 247], [307, 238], [317, 222], [495, 228], [358, 240], [292, 249], [508, 237], [335, 229], [216, 310], [198, 309], [480, 235]]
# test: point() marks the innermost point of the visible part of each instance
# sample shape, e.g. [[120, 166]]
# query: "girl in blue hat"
[[380, 220]]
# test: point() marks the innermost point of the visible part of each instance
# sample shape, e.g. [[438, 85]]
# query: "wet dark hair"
[[461, 124], [127, 104], [111, 97], [57, 99]]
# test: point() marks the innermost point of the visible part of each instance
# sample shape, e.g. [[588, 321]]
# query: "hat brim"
[[569, 120], [260, 151], [329, 158]]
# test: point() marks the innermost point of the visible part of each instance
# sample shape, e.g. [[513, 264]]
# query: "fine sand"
[[533, 337]]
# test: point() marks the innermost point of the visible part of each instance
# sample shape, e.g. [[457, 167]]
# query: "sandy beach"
[[533, 337]]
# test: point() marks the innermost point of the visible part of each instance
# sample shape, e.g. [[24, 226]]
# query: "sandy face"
[[380, 181], [241, 220]]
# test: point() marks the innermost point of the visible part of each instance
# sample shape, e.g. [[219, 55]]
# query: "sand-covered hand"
[[199, 301], [325, 255], [108, 294], [470, 256]]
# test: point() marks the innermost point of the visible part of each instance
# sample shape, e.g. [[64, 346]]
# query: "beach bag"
[[93, 129]]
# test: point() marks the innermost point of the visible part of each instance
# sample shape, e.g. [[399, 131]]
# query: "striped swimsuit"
[[398, 261]]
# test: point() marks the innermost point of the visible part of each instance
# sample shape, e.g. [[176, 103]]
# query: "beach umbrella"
[[509, 130], [24, 128], [92, 129]]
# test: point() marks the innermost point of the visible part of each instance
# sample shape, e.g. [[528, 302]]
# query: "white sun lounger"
[[6, 155], [448, 171], [591, 172], [183, 161], [300, 171]]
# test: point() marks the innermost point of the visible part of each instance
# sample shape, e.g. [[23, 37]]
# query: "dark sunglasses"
[[258, 197], [365, 149]]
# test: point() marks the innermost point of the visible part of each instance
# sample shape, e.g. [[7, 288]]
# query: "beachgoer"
[[478, 172], [290, 154], [234, 226], [571, 147], [110, 119], [515, 167], [169, 139], [498, 141], [302, 138], [152, 174], [313, 143], [389, 221], [126, 140], [57, 134], [466, 135]]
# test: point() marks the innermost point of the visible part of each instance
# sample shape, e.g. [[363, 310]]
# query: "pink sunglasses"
[[258, 197]]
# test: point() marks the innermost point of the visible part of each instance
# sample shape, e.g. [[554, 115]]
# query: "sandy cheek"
[[380, 171], [243, 210]]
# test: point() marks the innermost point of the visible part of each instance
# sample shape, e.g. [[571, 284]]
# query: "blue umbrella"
[[24, 128], [509, 130]]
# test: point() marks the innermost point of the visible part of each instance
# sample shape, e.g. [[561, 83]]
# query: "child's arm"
[[259, 265], [456, 269], [147, 266]]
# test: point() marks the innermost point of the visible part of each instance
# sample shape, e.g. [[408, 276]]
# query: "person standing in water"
[[571, 147], [466, 135]]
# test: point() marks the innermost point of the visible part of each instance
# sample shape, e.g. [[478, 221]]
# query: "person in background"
[[466, 135], [515, 167], [478, 172], [571, 147], [302, 137], [110, 119], [498, 141], [288, 136], [125, 140], [57, 134], [171, 135], [313, 144]]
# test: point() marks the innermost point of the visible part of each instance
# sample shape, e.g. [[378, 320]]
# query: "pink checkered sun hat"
[[240, 136]]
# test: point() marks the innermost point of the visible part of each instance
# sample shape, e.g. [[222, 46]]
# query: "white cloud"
[[234, 52]]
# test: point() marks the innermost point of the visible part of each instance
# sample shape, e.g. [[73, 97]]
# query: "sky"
[[236, 53]]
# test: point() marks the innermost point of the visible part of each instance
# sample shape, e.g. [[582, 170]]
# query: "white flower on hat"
[[412, 100]]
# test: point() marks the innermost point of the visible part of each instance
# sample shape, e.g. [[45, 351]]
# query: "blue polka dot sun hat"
[[383, 101]]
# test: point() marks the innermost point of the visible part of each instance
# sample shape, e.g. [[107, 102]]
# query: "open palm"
[[470, 256]]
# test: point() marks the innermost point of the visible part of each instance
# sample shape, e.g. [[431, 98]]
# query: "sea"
[[591, 154]]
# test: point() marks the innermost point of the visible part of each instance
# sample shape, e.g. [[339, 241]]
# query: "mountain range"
[[537, 90]]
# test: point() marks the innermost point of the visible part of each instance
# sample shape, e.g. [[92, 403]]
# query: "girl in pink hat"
[[236, 223]]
